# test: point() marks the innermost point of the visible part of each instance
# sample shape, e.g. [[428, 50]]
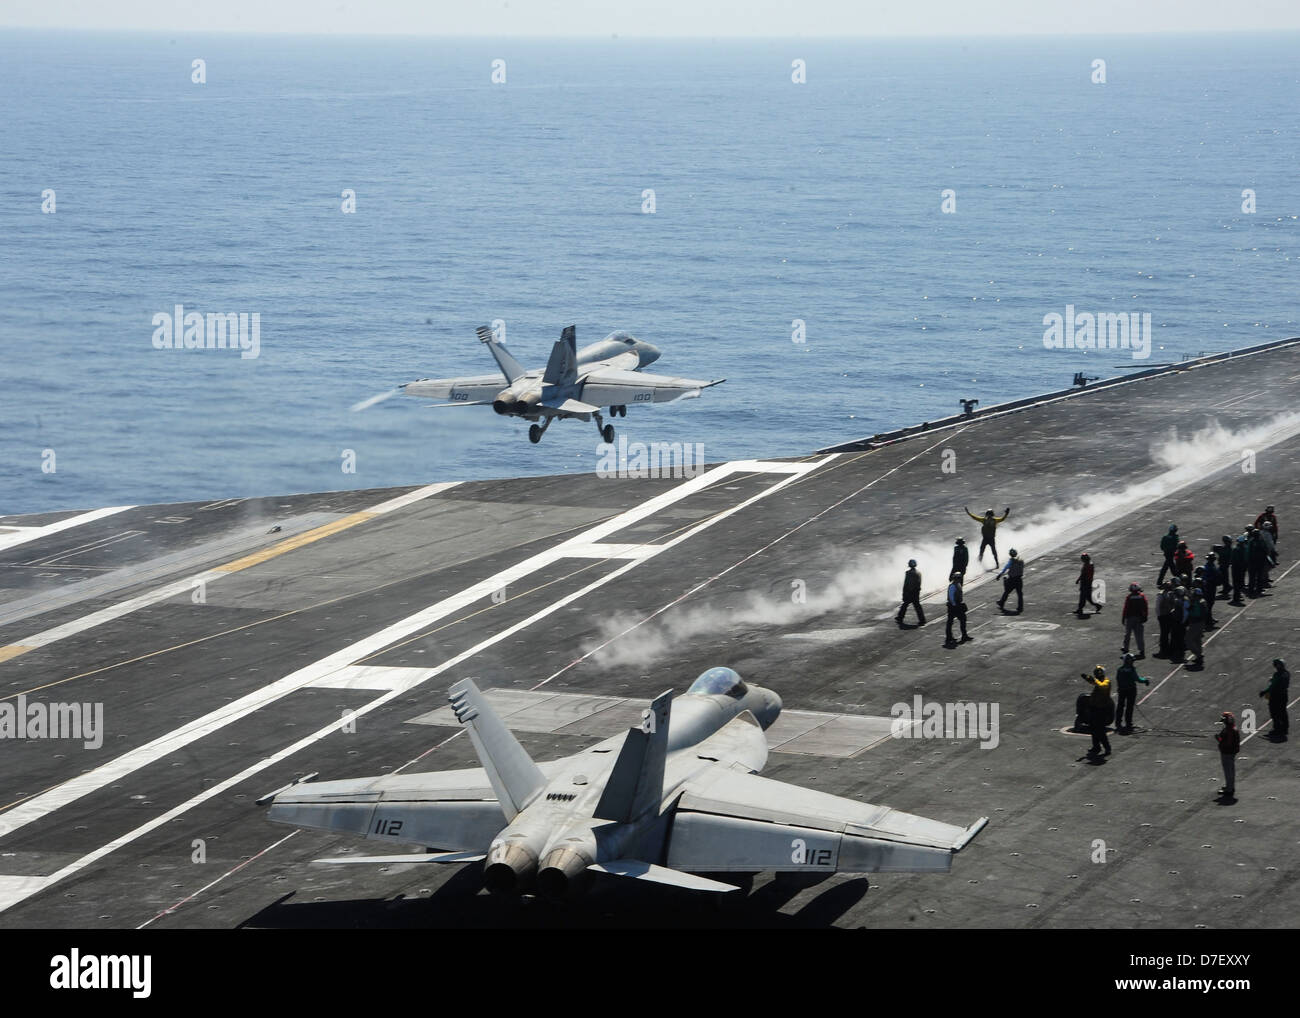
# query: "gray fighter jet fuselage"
[[575, 383], [675, 797]]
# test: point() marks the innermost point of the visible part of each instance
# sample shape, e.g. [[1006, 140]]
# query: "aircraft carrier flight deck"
[[239, 644]]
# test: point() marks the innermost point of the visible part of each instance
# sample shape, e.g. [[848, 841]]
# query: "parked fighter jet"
[[574, 383], [676, 797]]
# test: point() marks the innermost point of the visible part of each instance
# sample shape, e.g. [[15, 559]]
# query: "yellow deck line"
[[258, 557], [289, 544]]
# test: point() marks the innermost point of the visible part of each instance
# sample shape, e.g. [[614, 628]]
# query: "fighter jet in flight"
[[673, 798], [574, 383]]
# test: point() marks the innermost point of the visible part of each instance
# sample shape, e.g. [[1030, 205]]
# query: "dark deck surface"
[[261, 655]]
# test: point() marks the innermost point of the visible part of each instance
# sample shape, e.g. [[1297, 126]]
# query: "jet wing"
[[471, 389], [449, 810], [616, 387], [731, 821]]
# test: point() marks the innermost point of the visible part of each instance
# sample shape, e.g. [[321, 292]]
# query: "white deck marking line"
[[382, 677], [116, 611], [81, 549], [765, 467], [21, 535], [230, 872], [188, 584], [411, 497], [610, 550], [16, 889], [827, 719], [1229, 403], [221, 504]]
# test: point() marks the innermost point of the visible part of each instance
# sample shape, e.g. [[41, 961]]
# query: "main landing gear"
[[606, 430], [535, 432]]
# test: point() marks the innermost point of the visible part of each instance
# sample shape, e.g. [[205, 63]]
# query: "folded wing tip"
[[969, 834]]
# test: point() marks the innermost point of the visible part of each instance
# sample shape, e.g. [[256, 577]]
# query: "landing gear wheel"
[[607, 433], [534, 434]]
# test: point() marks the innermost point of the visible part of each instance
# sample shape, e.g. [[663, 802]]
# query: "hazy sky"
[[630, 18]]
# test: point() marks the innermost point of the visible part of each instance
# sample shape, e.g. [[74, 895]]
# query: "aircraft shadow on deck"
[[461, 903]]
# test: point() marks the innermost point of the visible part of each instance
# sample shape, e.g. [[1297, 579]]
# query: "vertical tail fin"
[[510, 367], [562, 368], [636, 782], [515, 778]]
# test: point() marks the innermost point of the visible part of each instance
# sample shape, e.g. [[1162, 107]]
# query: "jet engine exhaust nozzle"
[[509, 868], [509, 403], [563, 874]]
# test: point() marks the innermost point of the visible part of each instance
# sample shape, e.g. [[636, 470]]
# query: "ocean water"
[[522, 201]]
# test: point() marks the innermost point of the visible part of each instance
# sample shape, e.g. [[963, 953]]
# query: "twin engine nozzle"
[[563, 874], [512, 868], [513, 403]]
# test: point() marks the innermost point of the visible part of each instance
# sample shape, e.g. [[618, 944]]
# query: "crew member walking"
[[911, 593], [1015, 571], [1085, 584]]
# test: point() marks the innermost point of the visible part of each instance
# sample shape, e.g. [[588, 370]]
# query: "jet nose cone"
[[770, 710], [649, 353]]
